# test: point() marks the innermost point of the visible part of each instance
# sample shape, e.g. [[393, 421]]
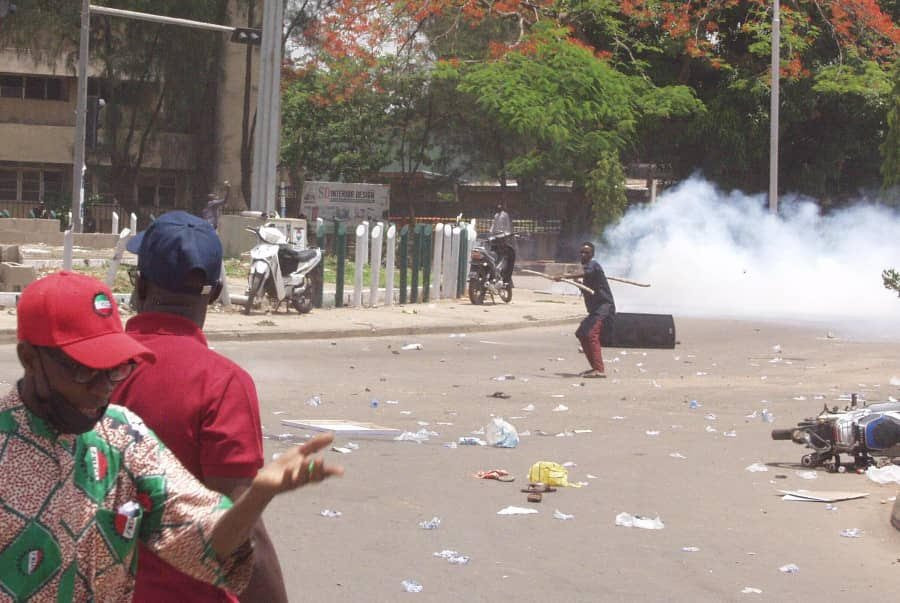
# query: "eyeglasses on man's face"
[[84, 374]]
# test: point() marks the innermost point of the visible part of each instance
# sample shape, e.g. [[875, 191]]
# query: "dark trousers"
[[588, 334]]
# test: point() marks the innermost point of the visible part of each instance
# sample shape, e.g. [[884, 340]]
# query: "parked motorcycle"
[[280, 272], [865, 432], [492, 262]]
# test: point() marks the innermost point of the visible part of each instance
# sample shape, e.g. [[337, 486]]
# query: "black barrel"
[[630, 330]]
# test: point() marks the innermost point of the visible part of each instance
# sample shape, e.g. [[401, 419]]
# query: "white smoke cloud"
[[708, 253]]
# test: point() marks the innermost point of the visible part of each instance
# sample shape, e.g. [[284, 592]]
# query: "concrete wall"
[[236, 240], [29, 225], [55, 239]]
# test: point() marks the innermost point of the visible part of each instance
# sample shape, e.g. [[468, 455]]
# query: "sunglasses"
[[85, 374]]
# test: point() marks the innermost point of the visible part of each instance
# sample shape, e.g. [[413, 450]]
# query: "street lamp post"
[[773, 110]]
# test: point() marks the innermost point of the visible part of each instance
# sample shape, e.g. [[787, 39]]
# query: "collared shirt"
[[501, 223], [73, 508], [204, 408], [601, 302]]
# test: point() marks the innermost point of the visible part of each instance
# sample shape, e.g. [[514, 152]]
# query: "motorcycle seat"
[[306, 255]]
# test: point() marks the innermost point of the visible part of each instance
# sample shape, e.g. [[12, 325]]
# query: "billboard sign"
[[345, 201]]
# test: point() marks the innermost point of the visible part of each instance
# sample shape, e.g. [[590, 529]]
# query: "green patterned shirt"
[[72, 509]]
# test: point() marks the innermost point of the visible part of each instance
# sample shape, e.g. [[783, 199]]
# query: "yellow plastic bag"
[[550, 473]]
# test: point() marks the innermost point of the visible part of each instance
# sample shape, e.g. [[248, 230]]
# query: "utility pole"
[[80, 119], [268, 111], [773, 110]]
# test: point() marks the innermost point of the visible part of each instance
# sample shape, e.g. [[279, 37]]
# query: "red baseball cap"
[[77, 314]]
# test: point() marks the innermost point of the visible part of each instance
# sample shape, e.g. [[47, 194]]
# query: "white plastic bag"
[[501, 434]]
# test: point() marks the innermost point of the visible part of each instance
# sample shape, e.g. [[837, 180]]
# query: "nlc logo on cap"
[[102, 305]]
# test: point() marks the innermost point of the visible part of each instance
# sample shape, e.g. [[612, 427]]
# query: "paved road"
[[707, 500]]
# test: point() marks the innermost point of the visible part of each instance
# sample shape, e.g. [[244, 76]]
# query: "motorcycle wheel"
[[256, 288], [302, 304], [808, 461], [476, 292], [506, 292]]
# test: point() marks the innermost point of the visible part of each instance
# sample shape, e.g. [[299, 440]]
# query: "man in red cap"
[[202, 405], [82, 481]]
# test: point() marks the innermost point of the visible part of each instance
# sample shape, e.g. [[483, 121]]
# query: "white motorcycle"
[[280, 272]]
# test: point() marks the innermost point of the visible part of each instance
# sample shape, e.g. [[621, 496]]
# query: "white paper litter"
[[528, 408], [516, 511], [806, 474], [627, 520], [884, 475], [557, 514], [756, 468], [749, 590], [790, 568], [561, 408], [412, 346], [330, 513]]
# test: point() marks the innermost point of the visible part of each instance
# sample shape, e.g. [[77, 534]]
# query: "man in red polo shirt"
[[200, 404]]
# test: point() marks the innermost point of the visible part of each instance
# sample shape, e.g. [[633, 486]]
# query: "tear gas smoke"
[[708, 253]]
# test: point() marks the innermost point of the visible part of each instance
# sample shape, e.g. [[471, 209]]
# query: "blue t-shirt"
[[601, 303]]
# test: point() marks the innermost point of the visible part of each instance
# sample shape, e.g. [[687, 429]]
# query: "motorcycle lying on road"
[[864, 432], [280, 272], [492, 262]]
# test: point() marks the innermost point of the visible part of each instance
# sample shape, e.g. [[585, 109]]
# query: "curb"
[[9, 335]]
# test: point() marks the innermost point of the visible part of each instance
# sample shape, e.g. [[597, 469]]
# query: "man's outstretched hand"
[[297, 467]]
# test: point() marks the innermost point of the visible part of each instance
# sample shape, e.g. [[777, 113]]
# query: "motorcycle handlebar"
[[782, 434]]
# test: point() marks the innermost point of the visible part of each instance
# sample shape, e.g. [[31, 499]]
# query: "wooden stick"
[[562, 280], [628, 282]]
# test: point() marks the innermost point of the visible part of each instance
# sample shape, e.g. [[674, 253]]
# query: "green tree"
[[890, 148], [156, 78]]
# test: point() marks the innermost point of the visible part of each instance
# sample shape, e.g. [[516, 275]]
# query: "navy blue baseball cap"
[[175, 244]]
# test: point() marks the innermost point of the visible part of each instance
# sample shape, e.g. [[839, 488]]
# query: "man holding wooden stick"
[[600, 306]]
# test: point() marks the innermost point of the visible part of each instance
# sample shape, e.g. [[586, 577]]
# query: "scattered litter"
[[314, 401], [752, 415], [525, 433], [749, 590], [580, 431], [628, 520], [374, 403], [895, 381], [341, 449], [391, 402], [453, 557], [677, 455], [451, 445], [501, 395], [690, 549], [516, 511], [730, 434], [504, 378], [852, 533], [453, 335], [831, 507], [701, 373], [432, 524], [767, 417], [411, 586], [799, 398], [278, 412], [561, 408], [557, 514], [420, 436], [405, 412], [412, 346], [479, 431], [501, 475], [330, 513], [359, 429], [618, 418], [589, 476], [557, 395], [471, 441], [756, 468], [550, 474], [884, 475], [711, 429], [528, 408], [806, 474], [651, 432], [790, 568], [694, 404], [710, 417], [821, 495]]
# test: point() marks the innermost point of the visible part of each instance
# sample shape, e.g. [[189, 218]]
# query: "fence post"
[[426, 263], [446, 262], [68, 241], [416, 263], [404, 251], [359, 262], [376, 264], [390, 249], [115, 223], [319, 281], [463, 261], [454, 263], [340, 249], [436, 260], [471, 239], [365, 250], [133, 223]]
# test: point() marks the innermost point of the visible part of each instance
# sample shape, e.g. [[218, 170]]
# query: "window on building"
[[167, 190], [147, 194], [11, 86], [56, 89], [31, 185], [9, 185], [53, 187]]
